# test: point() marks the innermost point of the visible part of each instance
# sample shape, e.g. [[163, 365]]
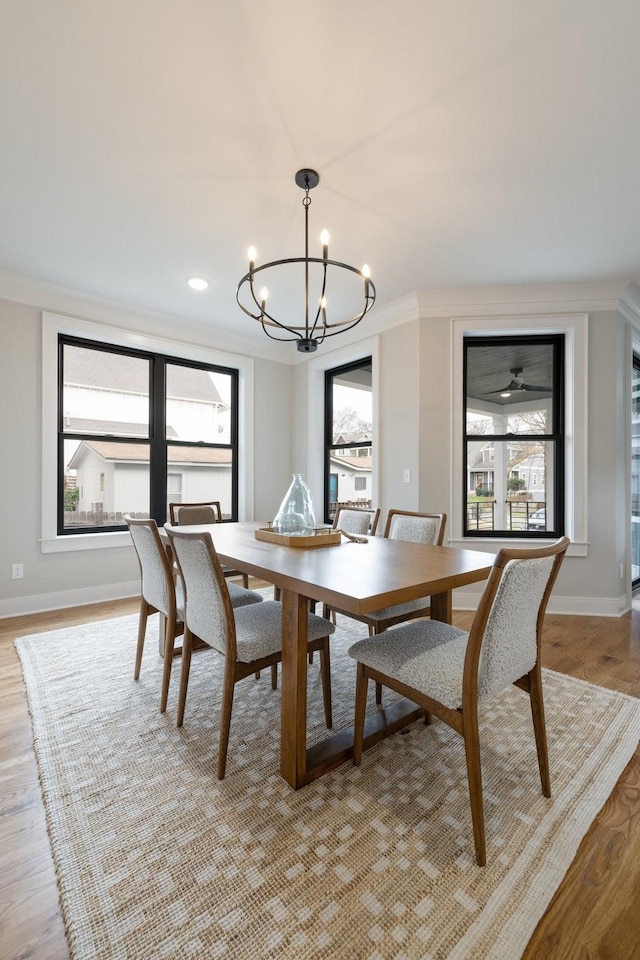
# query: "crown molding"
[[513, 301], [630, 304]]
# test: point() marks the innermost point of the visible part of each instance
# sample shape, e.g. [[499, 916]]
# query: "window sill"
[[86, 541], [576, 548]]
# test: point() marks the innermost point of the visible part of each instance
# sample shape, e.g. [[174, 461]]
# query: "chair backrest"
[[356, 520], [505, 636], [209, 614], [416, 527], [158, 585], [183, 514]]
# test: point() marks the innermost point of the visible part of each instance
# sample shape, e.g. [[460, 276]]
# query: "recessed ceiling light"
[[197, 283]]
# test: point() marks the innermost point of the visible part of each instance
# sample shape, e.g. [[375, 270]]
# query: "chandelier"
[[316, 325]]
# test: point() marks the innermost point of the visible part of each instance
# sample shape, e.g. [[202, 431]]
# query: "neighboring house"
[[119, 473], [350, 471], [111, 401], [530, 469]]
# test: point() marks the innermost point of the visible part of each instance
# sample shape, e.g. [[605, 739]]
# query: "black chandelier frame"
[[317, 329]]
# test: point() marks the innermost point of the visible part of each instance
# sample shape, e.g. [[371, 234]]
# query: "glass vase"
[[295, 516]]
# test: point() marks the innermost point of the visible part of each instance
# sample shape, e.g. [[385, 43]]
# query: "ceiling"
[[458, 144]]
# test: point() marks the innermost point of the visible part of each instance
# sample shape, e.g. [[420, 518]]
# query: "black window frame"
[[329, 445], [157, 439], [557, 436], [635, 496]]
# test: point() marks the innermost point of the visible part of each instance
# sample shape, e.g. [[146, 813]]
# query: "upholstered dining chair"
[[414, 528], [210, 511], [447, 671], [249, 638], [357, 520], [161, 593]]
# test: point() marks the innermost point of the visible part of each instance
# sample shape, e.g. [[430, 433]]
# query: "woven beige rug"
[[157, 858]]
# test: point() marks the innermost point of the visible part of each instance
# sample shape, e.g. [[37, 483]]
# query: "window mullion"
[[158, 440]]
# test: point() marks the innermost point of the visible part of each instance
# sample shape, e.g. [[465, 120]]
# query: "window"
[[348, 435], [138, 429], [514, 420]]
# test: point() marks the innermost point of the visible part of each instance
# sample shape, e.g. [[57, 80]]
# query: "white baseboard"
[[79, 597], [462, 600], [578, 606]]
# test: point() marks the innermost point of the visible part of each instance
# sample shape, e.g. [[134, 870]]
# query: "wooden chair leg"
[[310, 656], [362, 683], [225, 717], [474, 775], [274, 676], [374, 631], [187, 644], [539, 727], [142, 629], [169, 643], [325, 672], [245, 580]]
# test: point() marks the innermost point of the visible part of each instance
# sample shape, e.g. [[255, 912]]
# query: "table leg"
[[293, 712], [442, 606]]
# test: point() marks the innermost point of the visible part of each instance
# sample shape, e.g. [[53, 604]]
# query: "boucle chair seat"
[[241, 597], [428, 655]]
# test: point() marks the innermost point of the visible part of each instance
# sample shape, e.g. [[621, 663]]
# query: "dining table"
[[355, 578]]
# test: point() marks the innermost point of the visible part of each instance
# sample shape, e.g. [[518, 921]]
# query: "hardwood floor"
[[595, 914]]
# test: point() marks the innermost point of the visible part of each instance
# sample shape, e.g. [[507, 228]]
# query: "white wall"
[[400, 410], [274, 454]]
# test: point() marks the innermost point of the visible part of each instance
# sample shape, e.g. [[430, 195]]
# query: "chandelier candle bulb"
[[264, 296], [324, 240], [252, 258], [366, 273]]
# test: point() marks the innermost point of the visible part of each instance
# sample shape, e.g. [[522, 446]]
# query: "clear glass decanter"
[[295, 516]]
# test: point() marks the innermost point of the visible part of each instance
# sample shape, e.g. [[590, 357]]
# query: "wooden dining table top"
[[354, 577]]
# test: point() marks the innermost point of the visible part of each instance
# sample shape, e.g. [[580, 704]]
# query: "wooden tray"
[[321, 538]]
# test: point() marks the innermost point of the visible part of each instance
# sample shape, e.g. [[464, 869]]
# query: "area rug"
[[157, 858]]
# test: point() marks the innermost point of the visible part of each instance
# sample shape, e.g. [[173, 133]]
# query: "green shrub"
[[516, 484]]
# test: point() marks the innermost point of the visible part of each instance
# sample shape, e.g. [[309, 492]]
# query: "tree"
[[347, 422], [71, 498]]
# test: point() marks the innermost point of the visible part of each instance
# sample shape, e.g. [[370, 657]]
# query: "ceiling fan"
[[517, 385]]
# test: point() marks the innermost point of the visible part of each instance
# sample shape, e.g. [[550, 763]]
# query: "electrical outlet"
[[407, 476], [17, 571]]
